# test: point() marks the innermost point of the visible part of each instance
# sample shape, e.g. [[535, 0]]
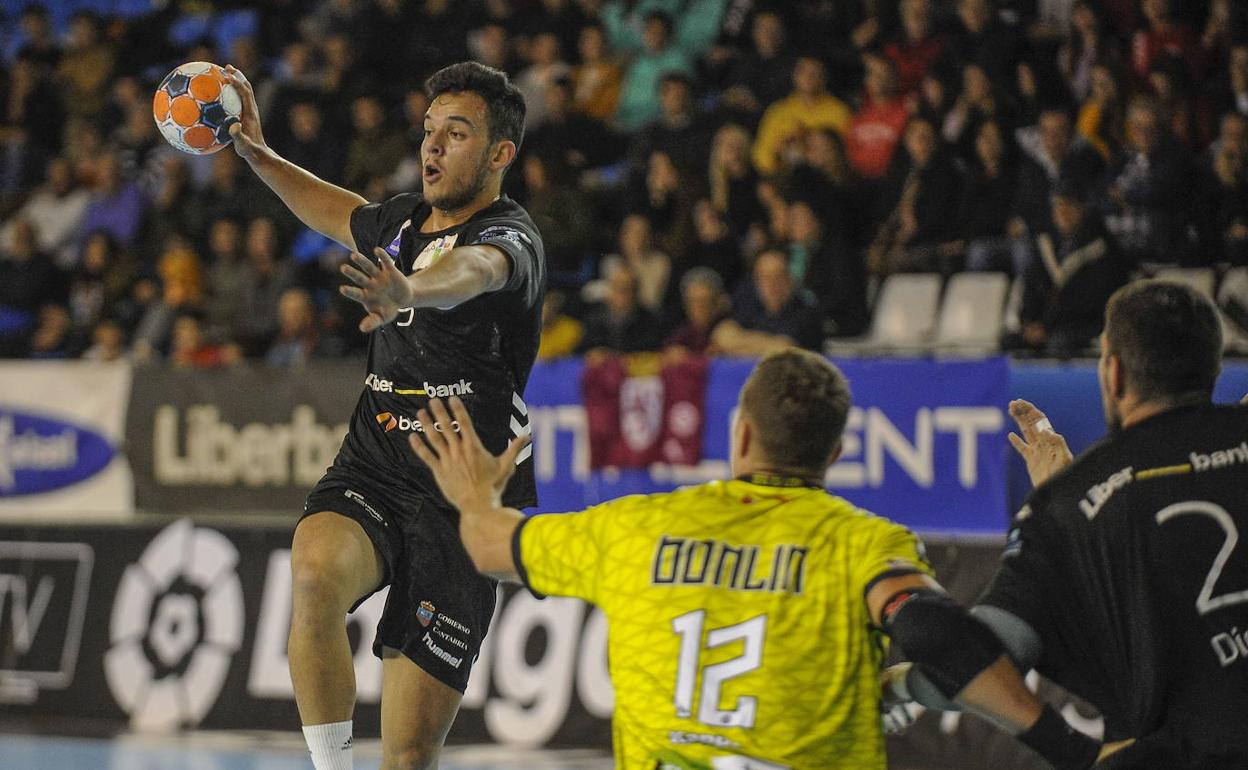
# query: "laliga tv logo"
[[177, 622]]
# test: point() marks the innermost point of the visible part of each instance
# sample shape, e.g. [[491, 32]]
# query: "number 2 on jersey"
[[1206, 602], [689, 628]]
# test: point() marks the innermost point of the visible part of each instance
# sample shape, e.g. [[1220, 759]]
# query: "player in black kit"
[[1124, 578], [453, 288]]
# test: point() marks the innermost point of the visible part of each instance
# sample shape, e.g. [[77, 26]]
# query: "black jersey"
[[481, 350], [1130, 565]]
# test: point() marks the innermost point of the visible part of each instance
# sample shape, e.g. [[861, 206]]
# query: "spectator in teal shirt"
[[639, 102]]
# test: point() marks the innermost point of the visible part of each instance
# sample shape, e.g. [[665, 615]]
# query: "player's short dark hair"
[[798, 402], [1168, 337], [504, 104]]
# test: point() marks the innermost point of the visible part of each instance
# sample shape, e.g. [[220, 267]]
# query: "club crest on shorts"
[[424, 613]]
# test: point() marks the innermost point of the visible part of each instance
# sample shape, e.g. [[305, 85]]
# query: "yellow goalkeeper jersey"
[[738, 636]]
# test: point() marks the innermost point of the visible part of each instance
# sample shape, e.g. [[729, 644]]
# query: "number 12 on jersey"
[[689, 628]]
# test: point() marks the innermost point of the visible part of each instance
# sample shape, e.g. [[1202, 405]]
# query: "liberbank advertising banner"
[[925, 444], [184, 625]]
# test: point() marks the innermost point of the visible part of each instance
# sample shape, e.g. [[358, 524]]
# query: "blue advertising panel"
[[925, 444]]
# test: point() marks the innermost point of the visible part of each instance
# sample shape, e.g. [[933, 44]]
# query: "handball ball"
[[194, 107]]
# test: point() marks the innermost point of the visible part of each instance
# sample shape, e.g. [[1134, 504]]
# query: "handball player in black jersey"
[[1125, 576], [452, 279]]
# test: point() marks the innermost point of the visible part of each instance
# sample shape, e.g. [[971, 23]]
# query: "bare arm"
[[732, 339], [472, 480], [322, 206], [461, 274]]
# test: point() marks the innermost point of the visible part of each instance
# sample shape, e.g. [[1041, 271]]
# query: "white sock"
[[330, 745]]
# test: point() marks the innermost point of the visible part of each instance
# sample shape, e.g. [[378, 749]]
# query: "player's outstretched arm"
[[322, 206], [969, 664], [460, 275], [472, 480], [1043, 449]]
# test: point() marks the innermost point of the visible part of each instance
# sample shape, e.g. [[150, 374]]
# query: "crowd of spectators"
[[710, 176]]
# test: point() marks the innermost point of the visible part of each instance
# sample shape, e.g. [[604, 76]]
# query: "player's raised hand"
[[469, 476], [1043, 449], [381, 288], [248, 138]]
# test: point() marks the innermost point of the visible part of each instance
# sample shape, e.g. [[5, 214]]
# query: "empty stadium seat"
[[1204, 280], [972, 313], [903, 319]]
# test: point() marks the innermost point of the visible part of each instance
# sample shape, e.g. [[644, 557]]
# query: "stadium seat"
[[972, 312], [1202, 279], [903, 319], [1233, 301]]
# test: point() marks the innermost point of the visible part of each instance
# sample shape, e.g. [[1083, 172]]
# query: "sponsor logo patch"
[[40, 453], [424, 613]]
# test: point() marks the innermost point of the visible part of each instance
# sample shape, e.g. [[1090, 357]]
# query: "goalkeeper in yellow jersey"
[[747, 618]]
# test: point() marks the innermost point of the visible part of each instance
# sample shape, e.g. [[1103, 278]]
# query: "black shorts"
[[439, 607]]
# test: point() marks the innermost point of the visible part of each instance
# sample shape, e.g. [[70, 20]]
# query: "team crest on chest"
[[433, 251]]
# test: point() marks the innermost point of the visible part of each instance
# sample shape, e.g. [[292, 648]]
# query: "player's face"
[[456, 150]]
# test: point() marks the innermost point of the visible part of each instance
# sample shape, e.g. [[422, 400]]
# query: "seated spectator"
[[85, 67], [924, 207], [56, 210], [375, 148], [1049, 153], [561, 333], [732, 179], [53, 337], [762, 75], [650, 265], [189, 349], [1152, 190], [1232, 95], [981, 37], [678, 130], [876, 128], [624, 22], [666, 201], [117, 203], [1067, 284], [597, 79], [1163, 35], [808, 107], [30, 125], [984, 208], [310, 145], [102, 284], [562, 214], [108, 342], [621, 324], [181, 291], [1102, 116], [659, 56], [29, 280], [917, 48], [267, 275], [298, 337], [714, 245], [579, 141], [705, 304], [827, 267], [1228, 204], [1087, 44], [777, 316], [825, 178], [546, 65], [979, 101]]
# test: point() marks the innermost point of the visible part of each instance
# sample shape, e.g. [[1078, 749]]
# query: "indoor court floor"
[[251, 751]]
